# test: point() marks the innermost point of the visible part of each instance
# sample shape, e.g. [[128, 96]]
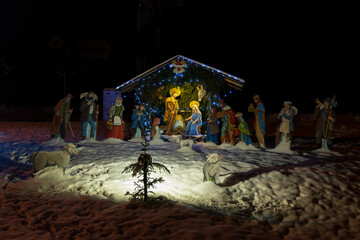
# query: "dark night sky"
[[284, 52]]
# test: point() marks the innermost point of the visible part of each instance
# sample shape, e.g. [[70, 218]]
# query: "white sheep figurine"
[[211, 168], [60, 158], [187, 143]]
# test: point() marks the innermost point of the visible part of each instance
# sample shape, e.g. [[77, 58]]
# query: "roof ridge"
[[151, 70]]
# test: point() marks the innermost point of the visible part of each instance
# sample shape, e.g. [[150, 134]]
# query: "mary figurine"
[[193, 126]]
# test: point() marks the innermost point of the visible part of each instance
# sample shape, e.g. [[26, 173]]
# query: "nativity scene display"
[[185, 96]]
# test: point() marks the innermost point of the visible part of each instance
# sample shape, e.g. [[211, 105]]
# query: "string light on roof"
[[168, 64]]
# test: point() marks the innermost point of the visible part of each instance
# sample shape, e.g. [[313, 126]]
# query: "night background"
[[57, 183], [295, 52]]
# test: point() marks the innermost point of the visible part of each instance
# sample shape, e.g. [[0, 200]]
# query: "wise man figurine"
[[244, 130], [259, 124], [213, 127], [228, 118]]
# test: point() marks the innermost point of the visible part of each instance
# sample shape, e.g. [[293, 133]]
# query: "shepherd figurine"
[[325, 120], [286, 127]]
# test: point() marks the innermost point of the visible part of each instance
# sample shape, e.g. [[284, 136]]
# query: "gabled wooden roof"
[[231, 80]]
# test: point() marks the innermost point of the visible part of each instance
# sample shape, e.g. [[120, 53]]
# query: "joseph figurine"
[[171, 110]]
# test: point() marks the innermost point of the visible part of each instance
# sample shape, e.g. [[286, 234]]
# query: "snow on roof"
[[232, 80]]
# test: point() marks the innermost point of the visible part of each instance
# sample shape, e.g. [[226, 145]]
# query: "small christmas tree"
[[142, 170]]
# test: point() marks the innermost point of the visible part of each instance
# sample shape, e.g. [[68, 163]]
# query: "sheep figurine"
[[211, 168], [60, 158], [185, 143]]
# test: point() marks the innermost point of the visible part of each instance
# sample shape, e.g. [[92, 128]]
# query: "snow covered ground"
[[263, 194]]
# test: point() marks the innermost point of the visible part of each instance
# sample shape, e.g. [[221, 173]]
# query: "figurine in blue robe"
[[194, 125]]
